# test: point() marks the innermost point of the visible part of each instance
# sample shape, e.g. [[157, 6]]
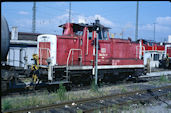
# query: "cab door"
[[44, 52], [104, 47], [104, 53]]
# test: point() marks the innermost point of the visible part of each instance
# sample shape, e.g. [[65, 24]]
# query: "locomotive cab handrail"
[[69, 57], [140, 54]]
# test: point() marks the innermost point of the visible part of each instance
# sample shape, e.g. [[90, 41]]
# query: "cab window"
[[105, 36], [156, 57], [90, 35], [79, 33], [100, 35]]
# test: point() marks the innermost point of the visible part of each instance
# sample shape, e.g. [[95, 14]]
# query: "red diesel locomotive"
[[165, 62], [152, 53], [72, 55]]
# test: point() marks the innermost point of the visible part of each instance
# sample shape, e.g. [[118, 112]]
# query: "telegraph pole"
[[136, 29], [34, 18], [69, 12], [122, 33], [154, 30]]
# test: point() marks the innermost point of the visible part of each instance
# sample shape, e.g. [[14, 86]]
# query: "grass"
[[115, 108], [6, 105], [61, 92], [35, 100], [169, 96], [79, 111], [164, 79], [9, 103], [94, 87], [135, 88], [123, 89]]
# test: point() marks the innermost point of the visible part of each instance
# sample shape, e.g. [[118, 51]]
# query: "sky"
[[120, 16]]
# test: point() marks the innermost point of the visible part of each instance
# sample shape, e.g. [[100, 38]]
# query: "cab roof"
[[80, 26]]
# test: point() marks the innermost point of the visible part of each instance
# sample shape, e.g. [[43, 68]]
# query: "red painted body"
[[153, 46], [124, 52], [169, 52], [45, 53], [64, 45], [111, 51]]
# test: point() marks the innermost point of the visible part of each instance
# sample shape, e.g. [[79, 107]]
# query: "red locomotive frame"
[[74, 52]]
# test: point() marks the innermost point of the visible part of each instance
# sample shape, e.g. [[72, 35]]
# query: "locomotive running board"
[[99, 67], [104, 67]]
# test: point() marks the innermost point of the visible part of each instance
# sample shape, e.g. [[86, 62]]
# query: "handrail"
[[136, 52], [69, 57], [87, 41], [143, 49], [139, 51]]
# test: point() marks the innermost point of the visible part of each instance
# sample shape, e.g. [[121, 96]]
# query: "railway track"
[[145, 78], [100, 103]]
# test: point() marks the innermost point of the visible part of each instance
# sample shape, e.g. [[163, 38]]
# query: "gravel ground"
[[159, 73], [158, 107]]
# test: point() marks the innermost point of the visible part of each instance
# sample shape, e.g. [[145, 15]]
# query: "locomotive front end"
[[47, 46]]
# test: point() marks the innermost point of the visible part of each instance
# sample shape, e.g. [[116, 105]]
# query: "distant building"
[[22, 46]]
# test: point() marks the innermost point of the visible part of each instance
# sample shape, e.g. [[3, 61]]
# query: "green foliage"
[[123, 89], [6, 105], [169, 95], [94, 87], [61, 92], [135, 88], [164, 78], [79, 111], [115, 108]]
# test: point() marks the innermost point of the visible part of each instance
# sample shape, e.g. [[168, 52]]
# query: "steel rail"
[[124, 103], [82, 101]]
